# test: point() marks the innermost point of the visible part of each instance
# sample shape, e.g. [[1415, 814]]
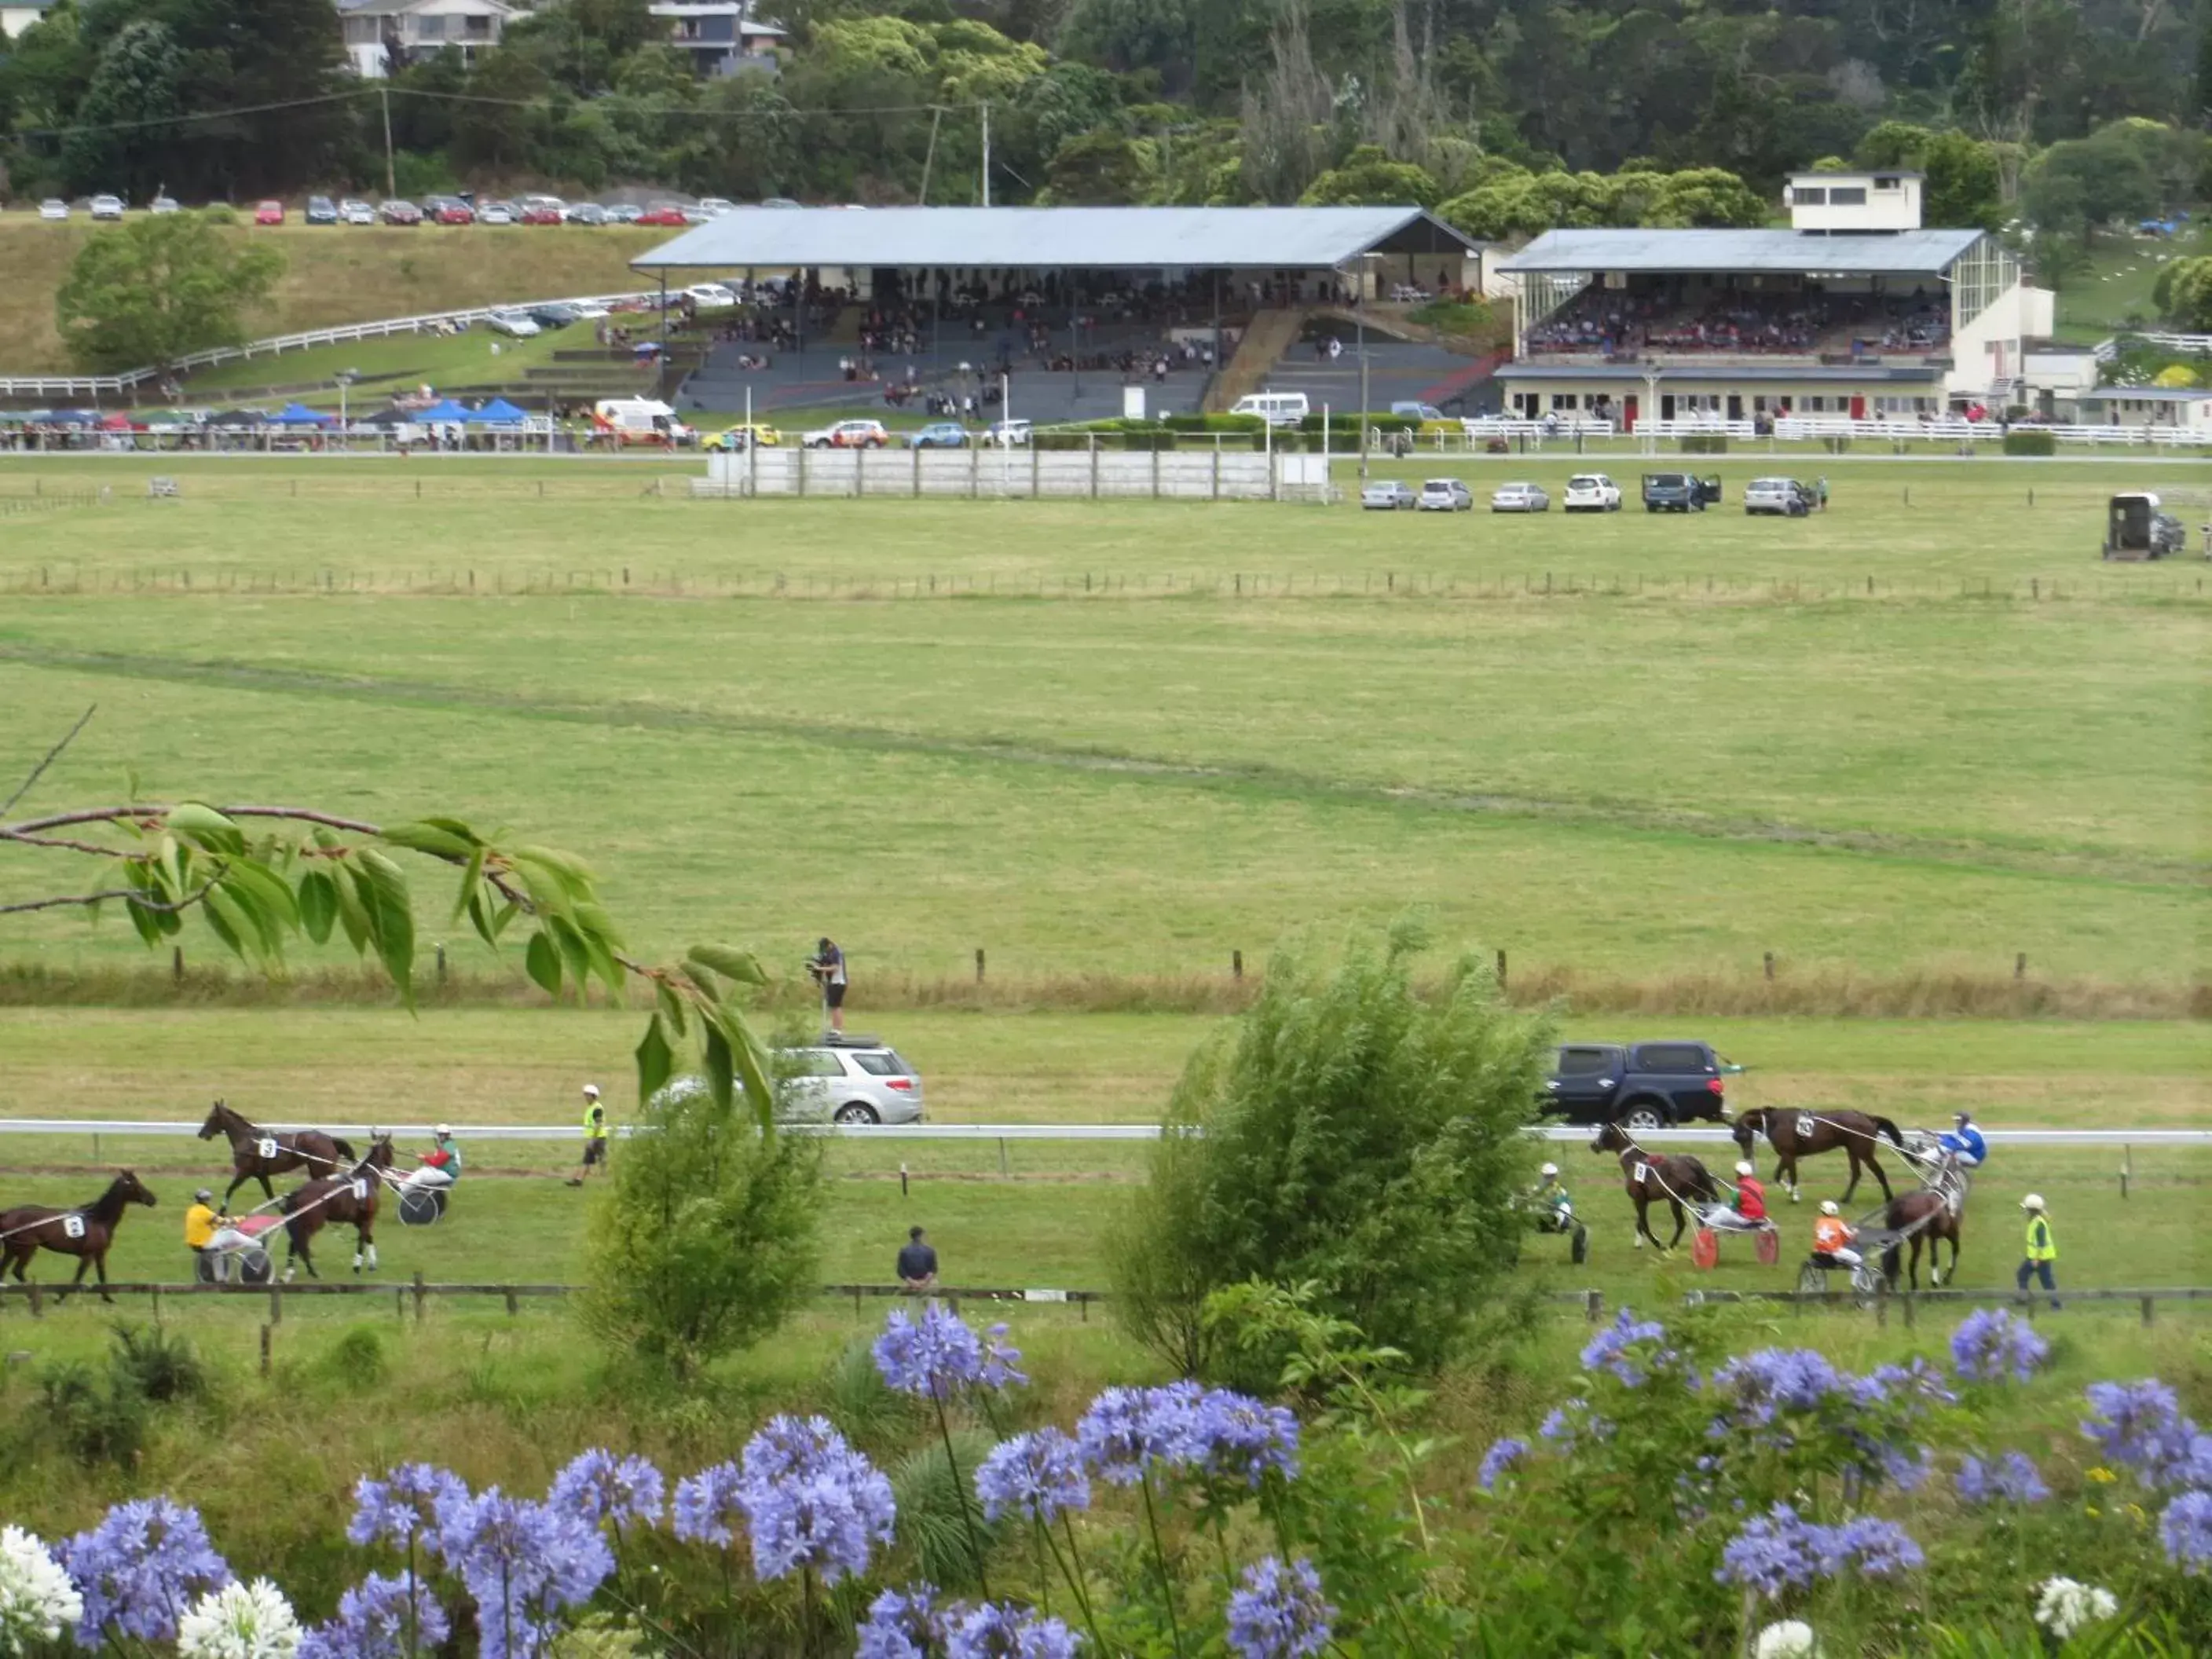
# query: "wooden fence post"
[[276, 1304], [420, 1296], [1593, 1305], [1769, 966], [979, 964], [1501, 968], [1236, 965], [264, 1350]]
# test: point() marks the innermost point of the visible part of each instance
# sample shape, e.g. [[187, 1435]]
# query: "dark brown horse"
[[1650, 1177], [257, 1154], [346, 1199], [1794, 1134], [1934, 1213], [85, 1233]]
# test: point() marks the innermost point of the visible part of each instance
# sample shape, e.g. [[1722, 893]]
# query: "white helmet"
[[443, 1131], [2033, 1202], [1549, 1169], [1745, 1168], [591, 1091], [1828, 1207]]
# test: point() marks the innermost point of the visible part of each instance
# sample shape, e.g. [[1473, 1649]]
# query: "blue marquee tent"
[[498, 412], [300, 415], [444, 413]]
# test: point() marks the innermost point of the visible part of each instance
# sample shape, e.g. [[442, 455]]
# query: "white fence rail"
[[94, 385], [1705, 1135], [2196, 344], [1017, 472]]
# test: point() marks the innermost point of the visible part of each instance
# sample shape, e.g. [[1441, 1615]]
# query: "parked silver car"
[[1782, 496], [1444, 495], [1388, 495], [849, 1078], [1520, 498]]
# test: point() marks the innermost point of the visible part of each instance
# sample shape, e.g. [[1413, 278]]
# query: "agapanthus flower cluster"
[[937, 1355], [706, 1510], [1779, 1550], [812, 1503], [1758, 1387], [2185, 1530], [912, 1624], [2140, 1426], [374, 1622], [2010, 1478], [403, 1506], [240, 1621], [1630, 1348], [1280, 1613], [1039, 1475], [1127, 1432], [146, 1562], [1915, 1385], [906, 1624], [1991, 1344], [603, 1489], [1787, 1638], [525, 1564], [2067, 1606], [1235, 1436], [37, 1600], [1503, 1453]]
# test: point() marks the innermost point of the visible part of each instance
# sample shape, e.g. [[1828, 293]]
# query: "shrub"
[[2030, 441], [96, 1419], [1148, 441], [708, 1235], [1061, 441], [1343, 1135], [357, 1361], [156, 1364], [1705, 443]]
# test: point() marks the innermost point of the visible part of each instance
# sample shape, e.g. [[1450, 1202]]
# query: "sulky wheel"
[[419, 1208], [1811, 1281], [255, 1266]]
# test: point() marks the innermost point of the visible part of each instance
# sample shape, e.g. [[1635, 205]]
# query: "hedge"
[[1704, 443], [2030, 441]]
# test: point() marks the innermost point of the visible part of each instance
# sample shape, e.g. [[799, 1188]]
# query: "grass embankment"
[[337, 274], [2113, 293]]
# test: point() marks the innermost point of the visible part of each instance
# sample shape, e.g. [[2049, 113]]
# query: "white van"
[[639, 421], [1276, 408]]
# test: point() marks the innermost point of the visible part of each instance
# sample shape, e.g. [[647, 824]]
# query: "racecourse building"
[[1855, 310]]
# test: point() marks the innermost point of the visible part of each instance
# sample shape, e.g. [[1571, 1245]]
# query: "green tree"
[[2077, 185], [1347, 1134], [1368, 177], [2183, 294], [151, 290], [1103, 168], [117, 140]]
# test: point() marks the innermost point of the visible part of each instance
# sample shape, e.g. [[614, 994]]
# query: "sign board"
[[1044, 1296], [1132, 403]]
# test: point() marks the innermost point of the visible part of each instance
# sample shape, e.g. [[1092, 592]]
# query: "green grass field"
[[2113, 293]]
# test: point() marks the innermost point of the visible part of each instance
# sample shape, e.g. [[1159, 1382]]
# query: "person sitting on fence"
[[442, 1164], [917, 1263], [211, 1235], [1748, 1214], [1833, 1236], [1963, 1143]]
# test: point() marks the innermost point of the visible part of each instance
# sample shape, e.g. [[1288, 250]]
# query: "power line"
[[192, 116]]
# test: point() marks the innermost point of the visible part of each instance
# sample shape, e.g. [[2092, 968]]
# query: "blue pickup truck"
[[1679, 492]]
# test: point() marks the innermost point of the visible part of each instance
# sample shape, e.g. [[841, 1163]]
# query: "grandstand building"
[[1855, 310]]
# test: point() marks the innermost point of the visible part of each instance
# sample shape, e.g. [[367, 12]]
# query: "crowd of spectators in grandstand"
[[1676, 319]]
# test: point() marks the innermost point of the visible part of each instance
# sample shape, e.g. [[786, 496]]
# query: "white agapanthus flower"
[[2067, 1605], [1788, 1638], [37, 1600], [240, 1621]]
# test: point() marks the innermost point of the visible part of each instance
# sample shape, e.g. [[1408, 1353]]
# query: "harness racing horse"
[[84, 1233], [1650, 1177], [256, 1154], [348, 1198], [1935, 1213], [1794, 1134]]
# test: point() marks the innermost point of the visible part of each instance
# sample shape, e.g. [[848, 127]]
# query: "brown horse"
[[1794, 1134], [84, 1233], [1934, 1213], [257, 1154], [1650, 1177], [349, 1198]]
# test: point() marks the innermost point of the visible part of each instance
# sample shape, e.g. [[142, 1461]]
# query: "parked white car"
[[1520, 498], [1445, 496], [1388, 495], [715, 204], [53, 208], [512, 323], [107, 207], [357, 212], [711, 294], [164, 205], [1008, 434], [854, 1081], [1592, 492]]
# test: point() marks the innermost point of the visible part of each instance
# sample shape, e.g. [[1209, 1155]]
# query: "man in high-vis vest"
[[595, 1135], [2041, 1250]]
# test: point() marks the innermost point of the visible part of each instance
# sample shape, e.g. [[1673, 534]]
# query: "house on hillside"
[[16, 16], [1856, 309], [721, 37], [384, 35]]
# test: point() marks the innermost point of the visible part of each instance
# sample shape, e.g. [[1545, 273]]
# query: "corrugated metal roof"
[[1678, 374], [1093, 238], [1908, 253], [2147, 394]]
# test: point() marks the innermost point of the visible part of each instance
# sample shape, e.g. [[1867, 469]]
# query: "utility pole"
[[391, 175], [987, 154]]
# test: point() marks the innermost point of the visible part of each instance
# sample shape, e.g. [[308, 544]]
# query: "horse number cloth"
[[266, 1146], [360, 1190], [72, 1226], [1642, 1170], [1806, 1124]]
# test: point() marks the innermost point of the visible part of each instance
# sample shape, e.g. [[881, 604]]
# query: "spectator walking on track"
[[917, 1263], [595, 1135], [2041, 1250], [828, 966]]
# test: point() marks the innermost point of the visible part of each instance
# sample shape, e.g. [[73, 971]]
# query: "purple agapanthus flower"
[[1038, 1474], [812, 1503], [1557, 1426], [138, 1571], [1002, 1361], [524, 1563], [785, 1446], [1774, 1551], [905, 1623], [1127, 1430], [2185, 1529], [1611, 1349], [1233, 1434], [2139, 1424], [1767, 1382], [934, 1357], [403, 1506], [993, 1632], [1875, 1547], [1280, 1612], [1915, 1384], [1501, 1456], [373, 1623], [706, 1508], [1991, 1344], [603, 1488], [2008, 1479]]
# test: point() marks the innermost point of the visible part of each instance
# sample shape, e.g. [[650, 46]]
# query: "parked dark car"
[[1679, 492], [1643, 1085], [556, 315]]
